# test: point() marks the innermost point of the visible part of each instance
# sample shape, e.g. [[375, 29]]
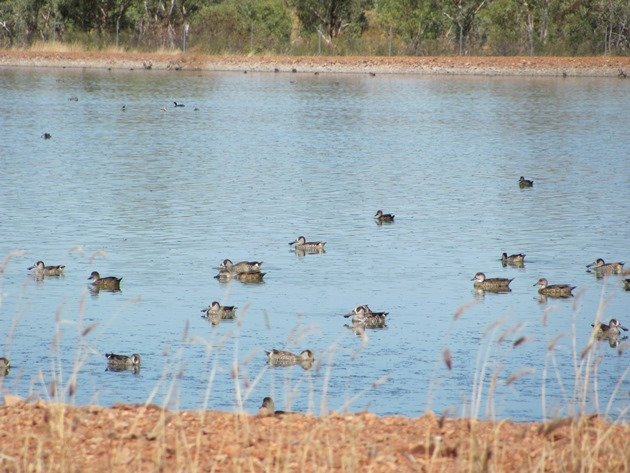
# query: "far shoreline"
[[536, 66]]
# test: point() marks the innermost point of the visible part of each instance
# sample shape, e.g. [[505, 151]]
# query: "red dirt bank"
[[603, 66], [60, 438]]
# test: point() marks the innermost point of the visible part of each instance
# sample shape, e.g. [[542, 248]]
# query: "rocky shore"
[[145, 438], [601, 66]]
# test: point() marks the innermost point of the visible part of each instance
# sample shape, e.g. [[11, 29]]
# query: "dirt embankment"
[[603, 66], [61, 438]]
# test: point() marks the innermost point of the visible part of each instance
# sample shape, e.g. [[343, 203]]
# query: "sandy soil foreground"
[[527, 66], [57, 437]]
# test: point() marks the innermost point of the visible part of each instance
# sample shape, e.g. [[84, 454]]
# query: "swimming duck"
[[523, 183], [216, 312], [302, 244], [626, 284], [42, 270], [110, 283], [381, 217], [514, 260], [4, 366], [491, 284], [600, 268], [554, 290], [241, 267], [268, 408], [609, 330], [363, 315], [286, 358], [179, 104], [47, 136], [122, 361]]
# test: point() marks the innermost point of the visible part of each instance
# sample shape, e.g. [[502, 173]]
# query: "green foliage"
[[417, 22], [330, 26], [502, 26], [242, 25], [331, 17]]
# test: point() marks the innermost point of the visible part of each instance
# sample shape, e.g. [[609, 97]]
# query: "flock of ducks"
[[599, 267], [243, 271], [601, 331], [361, 316]]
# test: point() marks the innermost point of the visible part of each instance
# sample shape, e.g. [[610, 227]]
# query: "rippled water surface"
[[254, 160]]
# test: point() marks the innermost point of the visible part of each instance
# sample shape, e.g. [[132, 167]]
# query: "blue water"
[[255, 160]]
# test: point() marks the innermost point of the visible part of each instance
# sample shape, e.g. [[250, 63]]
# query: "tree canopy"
[[371, 27]]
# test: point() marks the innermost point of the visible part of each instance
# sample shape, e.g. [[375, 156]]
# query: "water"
[[161, 198]]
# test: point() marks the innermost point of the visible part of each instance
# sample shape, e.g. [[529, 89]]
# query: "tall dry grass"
[[148, 437]]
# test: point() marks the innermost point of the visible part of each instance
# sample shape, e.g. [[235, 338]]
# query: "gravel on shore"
[[592, 66]]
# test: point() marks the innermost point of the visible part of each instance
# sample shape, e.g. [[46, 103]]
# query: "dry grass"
[[60, 438]]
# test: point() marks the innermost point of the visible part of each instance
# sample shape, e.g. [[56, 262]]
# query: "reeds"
[[57, 436]]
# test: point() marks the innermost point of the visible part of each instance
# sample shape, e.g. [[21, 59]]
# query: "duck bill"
[[32, 267], [589, 265], [625, 329], [292, 243]]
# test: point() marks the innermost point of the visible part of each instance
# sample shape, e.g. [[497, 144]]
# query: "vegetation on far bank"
[[331, 27]]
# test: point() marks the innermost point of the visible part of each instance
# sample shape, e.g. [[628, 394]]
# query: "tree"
[[416, 21], [330, 17], [462, 13], [238, 25], [614, 20]]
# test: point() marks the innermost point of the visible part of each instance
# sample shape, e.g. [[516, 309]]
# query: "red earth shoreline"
[[54, 437], [600, 66]]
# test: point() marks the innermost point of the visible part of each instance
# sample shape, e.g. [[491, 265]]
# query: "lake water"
[[255, 160]]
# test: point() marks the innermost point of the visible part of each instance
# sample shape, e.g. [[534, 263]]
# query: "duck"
[[491, 284], [609, 330], [42, 270], [122, 361], [47, 136], [241, 267], [301, 244], [216, 312], [363, 315], [626, 284], [286, 358], [600, 268], [516, 259], [5, 365], [110, 283], [554, 290], [268, 408], [381, 217], [179, 104], [523, 183]]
